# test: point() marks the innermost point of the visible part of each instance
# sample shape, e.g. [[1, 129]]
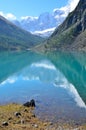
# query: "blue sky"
[[19, 8]]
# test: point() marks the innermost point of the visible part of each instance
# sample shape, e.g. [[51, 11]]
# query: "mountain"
[[12, 37], [46, 21], [71, 34], [43, 24]]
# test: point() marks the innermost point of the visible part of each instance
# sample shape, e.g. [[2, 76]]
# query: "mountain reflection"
[[12, 62], [64, 70], [73, 67]]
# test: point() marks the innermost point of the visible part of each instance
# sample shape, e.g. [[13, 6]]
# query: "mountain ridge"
[[70, 31], [13, 37]]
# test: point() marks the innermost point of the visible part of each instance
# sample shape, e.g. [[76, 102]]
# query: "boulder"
[[5, 123], [27, 104], [17, 114], [30, 104]]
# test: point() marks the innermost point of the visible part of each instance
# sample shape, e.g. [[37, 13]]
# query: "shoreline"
[[19, 117]]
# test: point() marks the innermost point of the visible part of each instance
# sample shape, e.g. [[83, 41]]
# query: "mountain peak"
[[45, 21]]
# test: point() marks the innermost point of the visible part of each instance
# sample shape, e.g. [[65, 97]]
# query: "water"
[[57, 81]]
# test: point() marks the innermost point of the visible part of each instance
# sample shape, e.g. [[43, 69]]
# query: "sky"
[[15, 9]]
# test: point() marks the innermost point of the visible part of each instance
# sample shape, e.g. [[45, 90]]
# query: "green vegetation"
[[69, 35], [26, 119], [13, 37]]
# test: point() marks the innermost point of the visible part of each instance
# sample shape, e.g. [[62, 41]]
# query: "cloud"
[[63, 11], [1, 13], [31, 78], [72, 4], [8, 16]]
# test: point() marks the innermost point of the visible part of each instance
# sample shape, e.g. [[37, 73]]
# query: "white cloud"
[[1, 13], [8, 16], [71, 5]]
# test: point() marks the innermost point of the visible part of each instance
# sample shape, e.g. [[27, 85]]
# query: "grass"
[[7, 113], [27, 120]]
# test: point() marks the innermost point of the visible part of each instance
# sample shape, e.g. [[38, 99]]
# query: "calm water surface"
[[57, 81]]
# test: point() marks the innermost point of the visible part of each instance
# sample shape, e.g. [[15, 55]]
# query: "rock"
[[30, 104], [10, 118], [25, 110], [45, 124], [36, 126], [51, 123], [33, 115], [17, 114], [27, 104], [22, 121], [60, 128], [5, 123], [77, 124]]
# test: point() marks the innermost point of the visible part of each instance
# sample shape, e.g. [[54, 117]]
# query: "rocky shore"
[[21, 117]]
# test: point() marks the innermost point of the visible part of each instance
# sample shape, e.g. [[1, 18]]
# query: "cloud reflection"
[[46, 71], [63, 83], [10, 80], [32, 78], [44, 64]]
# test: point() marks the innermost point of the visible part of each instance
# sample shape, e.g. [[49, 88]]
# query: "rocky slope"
[[13, 37], [71, 34]]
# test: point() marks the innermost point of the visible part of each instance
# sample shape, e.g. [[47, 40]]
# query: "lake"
[[57, 82]]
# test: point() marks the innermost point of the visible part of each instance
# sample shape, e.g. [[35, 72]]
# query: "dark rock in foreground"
[[17, 114], [30, 104], [5, 123]]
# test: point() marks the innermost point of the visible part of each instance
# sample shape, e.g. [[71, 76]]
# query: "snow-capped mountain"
[[45, 33], [45, 22], [43, 25]]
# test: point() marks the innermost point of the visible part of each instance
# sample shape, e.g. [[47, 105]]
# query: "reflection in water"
[[73, 68], [72, 90], [43, 70], [55, 80], [12, 62]]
